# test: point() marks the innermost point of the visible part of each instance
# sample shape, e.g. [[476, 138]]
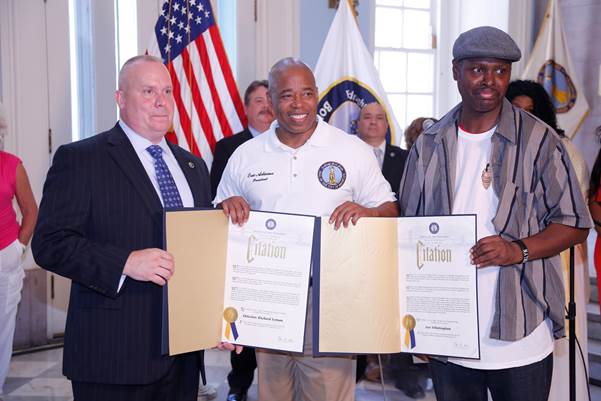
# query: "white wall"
[[105, 79], [25, 86], [315, 20], [246, 37], [455, 17], [148, 12], [36, 93]]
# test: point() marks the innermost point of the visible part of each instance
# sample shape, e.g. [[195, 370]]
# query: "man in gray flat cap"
[[511, 170]]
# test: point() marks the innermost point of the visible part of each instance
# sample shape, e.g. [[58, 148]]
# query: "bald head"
[[145, 97], [293, 96], [372, 125], [128, 66], [282, 66]]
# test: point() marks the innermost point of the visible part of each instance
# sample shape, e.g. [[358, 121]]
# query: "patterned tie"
[[169, 192]]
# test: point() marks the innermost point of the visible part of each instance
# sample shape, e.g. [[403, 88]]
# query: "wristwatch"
[[524, 249]]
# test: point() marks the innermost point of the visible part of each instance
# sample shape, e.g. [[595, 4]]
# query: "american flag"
[[208, 105]]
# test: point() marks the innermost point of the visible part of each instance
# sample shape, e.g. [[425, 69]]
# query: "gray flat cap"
[[486, 42]]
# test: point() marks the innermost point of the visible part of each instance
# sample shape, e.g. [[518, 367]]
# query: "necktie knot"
[[155, 151]]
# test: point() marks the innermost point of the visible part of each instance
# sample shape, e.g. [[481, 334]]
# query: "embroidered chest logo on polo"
[[331, 175]]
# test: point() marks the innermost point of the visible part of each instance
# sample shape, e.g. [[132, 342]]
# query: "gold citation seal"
[[409, 322], [230, 314]]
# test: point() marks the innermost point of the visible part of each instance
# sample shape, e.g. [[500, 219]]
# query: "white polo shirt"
[[332, 167]]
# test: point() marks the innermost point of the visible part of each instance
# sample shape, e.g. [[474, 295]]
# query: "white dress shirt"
[[140, 145], [381, 150]]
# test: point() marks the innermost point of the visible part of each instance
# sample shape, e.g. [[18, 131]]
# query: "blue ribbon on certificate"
[[409, 324], [230, 315]]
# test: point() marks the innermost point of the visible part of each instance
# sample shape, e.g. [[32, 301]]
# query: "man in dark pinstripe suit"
[[101, 226]]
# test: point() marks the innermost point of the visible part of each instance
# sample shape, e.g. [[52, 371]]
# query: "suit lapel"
[[386, 160], [247, 135], [189, 168], [122, 151]]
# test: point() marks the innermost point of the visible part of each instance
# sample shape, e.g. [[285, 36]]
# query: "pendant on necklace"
[[486, 176]]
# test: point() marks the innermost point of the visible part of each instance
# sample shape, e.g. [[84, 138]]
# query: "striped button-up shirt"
[[536, 186]]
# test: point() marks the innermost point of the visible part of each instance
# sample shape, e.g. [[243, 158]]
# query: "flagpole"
[[352, 6], [572, 330], [539, 37], [190, 68]]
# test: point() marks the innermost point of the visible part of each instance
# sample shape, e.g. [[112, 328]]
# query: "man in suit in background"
[[372, 126], [260, 116], [100, 225]]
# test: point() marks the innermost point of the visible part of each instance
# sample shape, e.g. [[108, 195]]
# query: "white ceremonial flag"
[[346, 77], [551, 66]]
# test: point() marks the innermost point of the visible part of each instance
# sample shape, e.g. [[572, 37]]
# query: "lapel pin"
[[191, 165], [392, 154]]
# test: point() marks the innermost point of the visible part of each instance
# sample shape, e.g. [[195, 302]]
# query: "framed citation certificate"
[[245, 284], [385, 285], [389, 285]]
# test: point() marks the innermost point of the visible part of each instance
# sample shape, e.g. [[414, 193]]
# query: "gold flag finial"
[[352, 4]]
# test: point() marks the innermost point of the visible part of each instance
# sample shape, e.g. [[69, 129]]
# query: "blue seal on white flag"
[[342, 102], [558, 84]]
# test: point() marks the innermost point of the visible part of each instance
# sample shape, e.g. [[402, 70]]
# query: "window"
[[126, 25], [404, 55], [102, 35], [83, 87], [226, 19]]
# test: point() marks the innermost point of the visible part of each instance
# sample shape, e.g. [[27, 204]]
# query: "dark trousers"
[[179, 384], [524, 383], [361, 366], [243, 370], [406, 373]]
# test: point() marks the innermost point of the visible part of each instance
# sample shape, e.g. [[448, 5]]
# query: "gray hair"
[[281, 66], [133, 61]]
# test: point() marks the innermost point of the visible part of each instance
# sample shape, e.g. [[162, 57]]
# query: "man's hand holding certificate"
[[245, 283], [384, 285]]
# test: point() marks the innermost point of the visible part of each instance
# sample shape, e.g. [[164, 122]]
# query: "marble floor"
[[37, 377]]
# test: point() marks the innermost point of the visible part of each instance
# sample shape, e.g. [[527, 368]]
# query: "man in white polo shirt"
[[303, 165]]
